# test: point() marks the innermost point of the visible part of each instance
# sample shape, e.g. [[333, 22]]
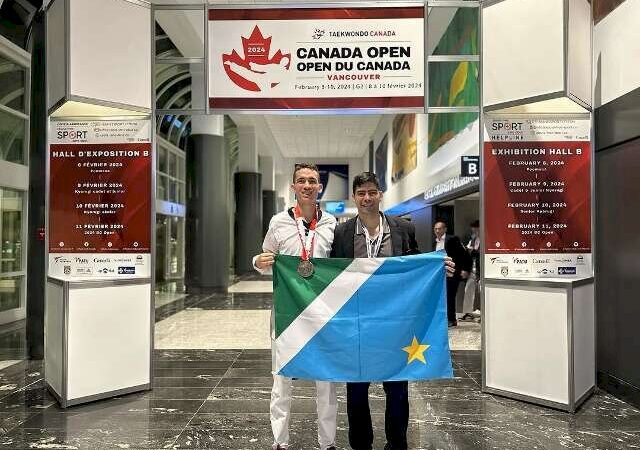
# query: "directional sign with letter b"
[[470, 166]]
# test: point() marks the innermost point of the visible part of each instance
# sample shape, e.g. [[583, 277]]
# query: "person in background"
[[471, 288], [452, 245]]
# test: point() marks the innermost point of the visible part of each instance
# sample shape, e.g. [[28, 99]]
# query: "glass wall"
[[170, 189], [13, 117], [14, 179], [12, 273], [170, 173]]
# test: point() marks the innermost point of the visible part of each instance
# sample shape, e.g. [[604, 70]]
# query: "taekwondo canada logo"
[[256, 71]]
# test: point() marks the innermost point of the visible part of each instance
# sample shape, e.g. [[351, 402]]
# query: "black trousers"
[[452, 289], [396, 415]]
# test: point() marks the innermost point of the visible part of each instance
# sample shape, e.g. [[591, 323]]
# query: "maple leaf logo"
[[255, 70]]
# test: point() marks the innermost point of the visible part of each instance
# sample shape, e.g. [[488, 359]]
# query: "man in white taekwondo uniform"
[[303, 231]]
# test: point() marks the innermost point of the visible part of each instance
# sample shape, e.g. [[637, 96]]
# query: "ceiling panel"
[[323, 136]]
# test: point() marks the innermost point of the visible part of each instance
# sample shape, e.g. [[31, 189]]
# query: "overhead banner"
[[100, 199], [537, 191], [316, 58]]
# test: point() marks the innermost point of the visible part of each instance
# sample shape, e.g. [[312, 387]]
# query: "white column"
[[99, 52], [212, 125]]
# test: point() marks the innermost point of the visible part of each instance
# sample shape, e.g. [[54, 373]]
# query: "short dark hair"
[[300, 166], [475, 224], [439, 220], [365, 177]]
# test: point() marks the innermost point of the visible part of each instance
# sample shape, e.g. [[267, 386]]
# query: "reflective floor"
[[241, 319], [218, 398], [13, 343]]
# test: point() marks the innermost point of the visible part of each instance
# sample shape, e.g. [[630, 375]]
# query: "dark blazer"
[[403, 238], [454, 248]]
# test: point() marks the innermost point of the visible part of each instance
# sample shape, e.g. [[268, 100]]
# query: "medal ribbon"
[[309, 241], [373, 248]]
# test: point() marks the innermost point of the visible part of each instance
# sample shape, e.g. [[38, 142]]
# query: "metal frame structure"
[[494, 110], [152, 225], [152, 262], [62, 397], [539, 282], [183, 60], [472, 187], [208, 7], [426, 4], [475, 58], [137, 113], [68, 97], [564, 93], [568, 285]]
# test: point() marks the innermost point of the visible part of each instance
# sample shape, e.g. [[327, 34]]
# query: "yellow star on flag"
[[416, 351]]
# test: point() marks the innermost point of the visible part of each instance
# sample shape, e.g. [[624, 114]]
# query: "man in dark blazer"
[[452, 245], [374, 234]]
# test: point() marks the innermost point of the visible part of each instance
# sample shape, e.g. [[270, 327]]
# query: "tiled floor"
[[218, 398], [13, 342], [242, 321]]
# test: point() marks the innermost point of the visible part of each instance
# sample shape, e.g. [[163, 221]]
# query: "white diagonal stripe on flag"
[[322, 309]]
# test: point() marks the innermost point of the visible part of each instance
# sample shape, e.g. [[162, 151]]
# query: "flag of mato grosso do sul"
[[363, 319]]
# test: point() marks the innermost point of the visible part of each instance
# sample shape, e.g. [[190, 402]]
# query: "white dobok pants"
[[280, 410]]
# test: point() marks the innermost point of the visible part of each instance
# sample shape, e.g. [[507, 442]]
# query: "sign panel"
[[316, 58], [470, 166], [537, 188], [100, 199]]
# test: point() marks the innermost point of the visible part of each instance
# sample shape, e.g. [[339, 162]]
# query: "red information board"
[[99, 221], [537, 190], [99, 198]]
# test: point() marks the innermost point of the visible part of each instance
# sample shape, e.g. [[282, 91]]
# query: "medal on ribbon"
[[305, 267]]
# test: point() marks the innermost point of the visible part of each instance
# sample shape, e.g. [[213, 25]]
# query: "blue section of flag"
[[364, 341]]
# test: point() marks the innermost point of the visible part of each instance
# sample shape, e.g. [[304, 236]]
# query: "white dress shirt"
[[440, 242], [282, 237]]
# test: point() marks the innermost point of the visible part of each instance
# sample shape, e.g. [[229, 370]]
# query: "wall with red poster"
[[537, 190], [99, 207]]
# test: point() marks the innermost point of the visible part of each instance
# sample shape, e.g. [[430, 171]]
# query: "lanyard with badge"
[[373, 247], [305, 267]]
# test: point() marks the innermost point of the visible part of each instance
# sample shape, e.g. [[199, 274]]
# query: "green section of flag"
[[293, 293]]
